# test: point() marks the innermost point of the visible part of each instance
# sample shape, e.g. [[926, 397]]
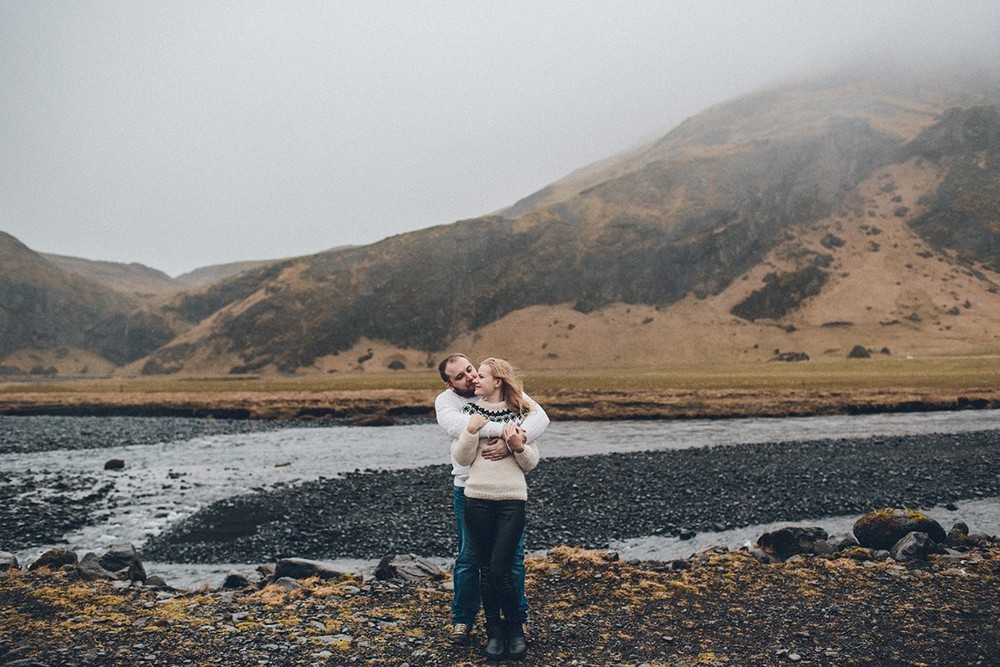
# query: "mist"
[[185, 134]]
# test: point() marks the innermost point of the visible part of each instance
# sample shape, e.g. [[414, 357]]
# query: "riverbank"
[[721, 610], [346, 492], [380, 407]]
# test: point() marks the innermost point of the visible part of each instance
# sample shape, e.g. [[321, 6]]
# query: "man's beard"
[[465, 393]]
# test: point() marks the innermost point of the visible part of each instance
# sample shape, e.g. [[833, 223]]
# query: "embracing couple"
[[493, 425]]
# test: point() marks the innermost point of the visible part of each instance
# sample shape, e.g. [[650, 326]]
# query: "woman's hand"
[[515, 437], [476, 423]]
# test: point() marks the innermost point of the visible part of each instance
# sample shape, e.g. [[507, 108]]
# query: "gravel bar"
[[588, 501]]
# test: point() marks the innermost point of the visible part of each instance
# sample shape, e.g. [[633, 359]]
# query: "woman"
[[496, 493]]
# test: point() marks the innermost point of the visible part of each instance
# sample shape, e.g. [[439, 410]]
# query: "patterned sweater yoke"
[[494, 412], [494, 480]]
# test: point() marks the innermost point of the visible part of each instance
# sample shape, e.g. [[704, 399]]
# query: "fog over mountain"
[[843, 214], [188, 134]]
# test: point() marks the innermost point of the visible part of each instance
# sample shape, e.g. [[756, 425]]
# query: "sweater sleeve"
[[536, 422], [465, 448], [448, 410], [527, 459]]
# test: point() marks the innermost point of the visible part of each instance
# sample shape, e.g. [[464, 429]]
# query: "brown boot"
[[459, 634]]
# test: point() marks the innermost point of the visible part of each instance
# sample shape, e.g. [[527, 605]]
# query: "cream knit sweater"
[[494, 480]]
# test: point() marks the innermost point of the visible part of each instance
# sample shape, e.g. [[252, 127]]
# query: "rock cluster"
[[905, 535], [122, 562]]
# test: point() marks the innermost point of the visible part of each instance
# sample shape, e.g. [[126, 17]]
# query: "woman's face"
[[486, 384]]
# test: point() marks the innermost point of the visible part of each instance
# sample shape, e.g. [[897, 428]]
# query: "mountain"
[[210, 274], [130, 278], [144, 281], [56, 321], [803, 221]]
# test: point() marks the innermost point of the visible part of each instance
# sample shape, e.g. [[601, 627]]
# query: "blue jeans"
[[467, 601]]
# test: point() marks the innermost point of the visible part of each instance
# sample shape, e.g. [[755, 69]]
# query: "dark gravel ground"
[[590, 500]]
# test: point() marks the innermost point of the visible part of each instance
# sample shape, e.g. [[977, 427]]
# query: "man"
[[458, 375]]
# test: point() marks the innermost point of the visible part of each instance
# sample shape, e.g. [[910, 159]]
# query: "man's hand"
[[515, 437], [476, 423], [495, 450]]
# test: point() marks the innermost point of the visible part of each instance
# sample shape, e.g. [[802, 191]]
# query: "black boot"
[[496, 646], [516, 646]]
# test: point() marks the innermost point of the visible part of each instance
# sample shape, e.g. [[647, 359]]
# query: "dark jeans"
[[496, 527], [465, 576]]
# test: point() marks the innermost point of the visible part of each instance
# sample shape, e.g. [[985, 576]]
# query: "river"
[[167, 480]]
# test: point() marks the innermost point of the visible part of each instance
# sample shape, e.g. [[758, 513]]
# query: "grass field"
[[954, 373], [676, 392], [942, 373]]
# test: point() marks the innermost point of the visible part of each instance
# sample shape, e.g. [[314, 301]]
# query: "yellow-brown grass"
[[719, 390]]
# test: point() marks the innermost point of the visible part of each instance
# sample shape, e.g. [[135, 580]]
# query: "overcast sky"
[[181, 134]]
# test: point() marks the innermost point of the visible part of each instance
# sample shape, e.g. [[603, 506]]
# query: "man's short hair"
[[447, 360]]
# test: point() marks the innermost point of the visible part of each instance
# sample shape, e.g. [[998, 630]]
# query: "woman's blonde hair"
[[511, 387]]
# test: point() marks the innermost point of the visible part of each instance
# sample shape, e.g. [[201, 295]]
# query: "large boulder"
[[8, 561], [123, 560], [836, 543], [54, 559], [408, 567], [788, 541], [958, 534], [882, 528], [301, 568], [914, 546], [236, 579], [90, 568]]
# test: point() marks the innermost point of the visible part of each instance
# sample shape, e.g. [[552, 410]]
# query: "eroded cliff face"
[[964, 214]]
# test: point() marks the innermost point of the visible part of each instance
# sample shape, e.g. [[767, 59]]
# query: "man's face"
[[462, 376]]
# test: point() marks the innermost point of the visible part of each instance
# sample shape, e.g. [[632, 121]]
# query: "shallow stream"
[[167, 479]]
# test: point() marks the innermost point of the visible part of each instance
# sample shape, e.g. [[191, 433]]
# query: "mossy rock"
[[882, 528]]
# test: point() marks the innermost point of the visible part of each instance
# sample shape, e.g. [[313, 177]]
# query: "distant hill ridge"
[[743, 233], [145, 281], [133, 278], [44, 307]]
